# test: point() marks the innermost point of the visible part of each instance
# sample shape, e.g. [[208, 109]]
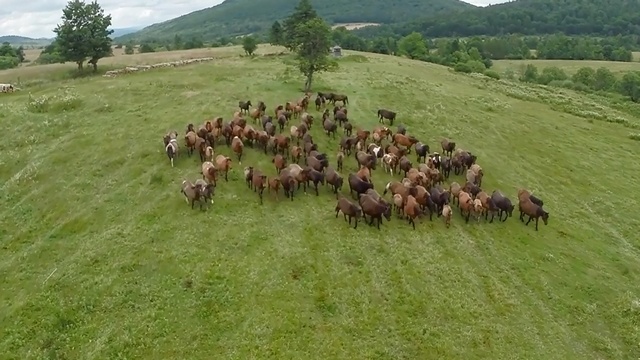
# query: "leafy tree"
[[177, 42], [7, 50], [347, 40], [10, 57], [84, 33], [128, 49], [50, 55], [586, 76], [530, 74], [630, 85], [276, 34], [146, 48], [193, 43], [8, 62], [552, 73], [302, 14], [20, 54], [621, 54], [604, 80], [413, 46], [313, 52], [249, 44]]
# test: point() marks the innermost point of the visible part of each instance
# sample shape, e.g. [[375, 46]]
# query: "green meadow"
[[102, 259]]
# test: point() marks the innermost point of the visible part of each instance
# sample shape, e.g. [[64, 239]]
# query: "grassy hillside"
[[570, 66], [532, 17], [101, 257], [237, 17]]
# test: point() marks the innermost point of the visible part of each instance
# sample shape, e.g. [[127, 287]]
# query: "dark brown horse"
[[386, 114]]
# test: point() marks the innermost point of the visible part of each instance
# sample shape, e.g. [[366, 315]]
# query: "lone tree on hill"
[[84, 33], [249, 44], [303, 13], [313, 50]]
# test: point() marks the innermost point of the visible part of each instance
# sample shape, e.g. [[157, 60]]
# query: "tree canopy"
[[10, 57], [527, 17], [249, 44], [310, 38], [84, 33]]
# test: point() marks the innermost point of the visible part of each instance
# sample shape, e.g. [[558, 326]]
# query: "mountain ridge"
[[239, 17]]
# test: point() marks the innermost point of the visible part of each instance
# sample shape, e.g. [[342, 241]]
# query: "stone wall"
[[134, 69]]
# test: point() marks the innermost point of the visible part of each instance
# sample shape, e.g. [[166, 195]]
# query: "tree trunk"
[[307, 83], [95, 66], [80, 63]]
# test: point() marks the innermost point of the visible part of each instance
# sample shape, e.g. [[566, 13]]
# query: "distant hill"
[[117, 32], [533, 17], [24, 41], [239, 17], [16, 40]]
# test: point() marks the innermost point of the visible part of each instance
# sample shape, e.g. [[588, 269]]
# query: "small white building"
[[336, 51]]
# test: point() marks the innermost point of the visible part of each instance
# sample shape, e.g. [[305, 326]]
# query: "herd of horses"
[[419, 192]]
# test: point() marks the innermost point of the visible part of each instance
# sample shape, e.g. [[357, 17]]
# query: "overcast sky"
[[37, 18]]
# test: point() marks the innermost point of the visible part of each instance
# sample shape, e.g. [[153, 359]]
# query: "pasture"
[[570, 66], [41, 73], [102, 258]]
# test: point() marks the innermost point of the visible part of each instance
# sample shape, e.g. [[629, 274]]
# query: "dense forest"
[[240, 17], [527, 17], [431, 18]]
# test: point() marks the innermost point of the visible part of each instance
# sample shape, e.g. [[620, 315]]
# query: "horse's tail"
[[171, 152]]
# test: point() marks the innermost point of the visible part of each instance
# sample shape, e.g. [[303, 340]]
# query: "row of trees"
[[550, 47], [10, 57], [474, 55], [585, 79]]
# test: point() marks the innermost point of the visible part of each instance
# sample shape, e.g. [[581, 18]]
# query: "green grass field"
[[570, 66], [101, 258]]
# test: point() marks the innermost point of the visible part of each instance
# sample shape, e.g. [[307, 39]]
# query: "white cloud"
[[38, 18]]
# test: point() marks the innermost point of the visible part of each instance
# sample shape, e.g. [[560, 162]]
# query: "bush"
[[53, 58], [129, 49], [635, 137], [568, 84], [585, 76], [471, 66], [510, 74], [145, 48], [529, 74], [8, 62], [53, 104], [552, 73], [492, 74], [604, 80]]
